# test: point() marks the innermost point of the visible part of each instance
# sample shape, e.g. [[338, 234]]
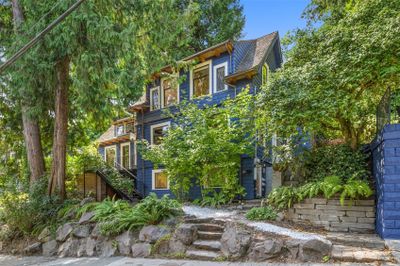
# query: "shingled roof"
[[108, 135], [256, 52]]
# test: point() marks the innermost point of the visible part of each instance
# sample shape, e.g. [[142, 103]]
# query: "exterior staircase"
[[208, 244]]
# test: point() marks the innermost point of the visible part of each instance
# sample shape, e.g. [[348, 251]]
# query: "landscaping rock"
[[82, 231], [33, 249], [50, 248], [186, 233], [81, 252], [69, 248], [235, 241], [141, 250], [91, 246], [150, 234], [96, 231], [108, 249], [86, 217], [176, 246], [63, 232], [314, 249], [86, 201], [45, 235], [171, 222], [125, 241], [161, 246], [293, 247], [267, 249]]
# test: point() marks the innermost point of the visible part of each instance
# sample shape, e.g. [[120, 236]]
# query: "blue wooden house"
[[221, 72]]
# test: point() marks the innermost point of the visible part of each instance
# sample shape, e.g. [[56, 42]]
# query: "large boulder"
[[265, 250], [50, 248], [82, 231], [96, 233], [235, 241], [33, 248], [125, 241], [186, 233], [108, 249], [141, 250], [45, 235], [86, 217], [91, 244], [81, 252], [176, 246], [63, 232], [69, 248], [150, 234], [314, 249]]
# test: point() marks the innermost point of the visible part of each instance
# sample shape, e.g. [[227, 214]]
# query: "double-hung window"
[[220, 72], [155, 99], [200, 80], [169, 92], [160, 180], [125, 155], [158, 132]]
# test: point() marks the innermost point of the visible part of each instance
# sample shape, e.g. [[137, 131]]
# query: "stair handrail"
[[119, 166]]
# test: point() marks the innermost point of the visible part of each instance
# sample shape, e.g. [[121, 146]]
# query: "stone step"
[[210, 227], [201, 254], [354, 254], [371, 241], [194, 220], [211, 245], [209, 235]]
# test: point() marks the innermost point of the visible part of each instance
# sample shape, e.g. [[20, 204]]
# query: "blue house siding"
[[386, 171]]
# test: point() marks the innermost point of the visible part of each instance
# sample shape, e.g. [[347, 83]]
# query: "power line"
[[38, 37]]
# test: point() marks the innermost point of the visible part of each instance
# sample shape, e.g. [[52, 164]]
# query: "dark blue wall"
[[386, 170]]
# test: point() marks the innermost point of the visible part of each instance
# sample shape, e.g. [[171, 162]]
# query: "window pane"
[[201, 81], [125, 156], [161, 180], [170, 93], [220, 78], [120, 130], [158, 134], [110, 156], [155, 97]]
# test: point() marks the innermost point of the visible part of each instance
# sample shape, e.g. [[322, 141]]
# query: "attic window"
[[220, 71], [155, 98], [200, 83]]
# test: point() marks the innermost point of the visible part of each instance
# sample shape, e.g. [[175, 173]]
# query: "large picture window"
[[125, 155], [220, 71], [155, 98], [169, 92], [158, 132], [160, 180], [200, 84]]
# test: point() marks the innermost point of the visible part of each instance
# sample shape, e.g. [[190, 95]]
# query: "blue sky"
[[266, 16]]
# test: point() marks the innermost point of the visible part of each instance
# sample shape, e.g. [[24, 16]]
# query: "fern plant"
[[355, 189], [261, 214]]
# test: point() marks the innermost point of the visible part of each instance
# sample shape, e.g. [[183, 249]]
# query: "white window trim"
[[153, 177], [135, 153], [129, 152], [157, 125], [151, 98], [114, 147], [268, 72], [162, 93], [225, 64], [209, 75]]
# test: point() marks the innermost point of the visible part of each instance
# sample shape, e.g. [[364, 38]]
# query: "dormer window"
[[155, 98], [220, 71], [200, 80], [169, 92]]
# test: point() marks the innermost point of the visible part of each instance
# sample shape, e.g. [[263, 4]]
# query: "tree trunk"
[[58, 170], [31, 129], [350, 133]]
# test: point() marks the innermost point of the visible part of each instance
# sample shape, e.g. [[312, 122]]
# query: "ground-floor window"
[[160, 180]]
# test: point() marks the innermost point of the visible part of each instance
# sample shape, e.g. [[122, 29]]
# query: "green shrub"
[[335, 160], [352, 189], [261, 213]]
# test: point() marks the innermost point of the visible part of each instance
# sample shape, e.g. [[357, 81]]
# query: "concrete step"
[[210, 227], [371, 241], [211, 245], [362, 255], [209, 235], [201, 254]]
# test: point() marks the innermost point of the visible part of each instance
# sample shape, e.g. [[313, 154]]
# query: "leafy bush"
[[335, 160], [352, 189], [261, 213], [116, 216]]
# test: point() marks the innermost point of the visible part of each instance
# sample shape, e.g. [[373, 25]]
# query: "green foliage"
[[116, 216], [351, 189], [204, 146], [338, 160], [261, 214], [336, 72]]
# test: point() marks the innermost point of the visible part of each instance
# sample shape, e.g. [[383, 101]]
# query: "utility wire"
[[39, 36]]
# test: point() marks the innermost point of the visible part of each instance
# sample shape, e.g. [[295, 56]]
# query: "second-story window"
[[158, 132], [169, 92], [220, 71], [155, 98], [201, 80]]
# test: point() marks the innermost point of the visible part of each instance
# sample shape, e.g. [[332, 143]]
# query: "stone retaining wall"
[[356, 216]]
